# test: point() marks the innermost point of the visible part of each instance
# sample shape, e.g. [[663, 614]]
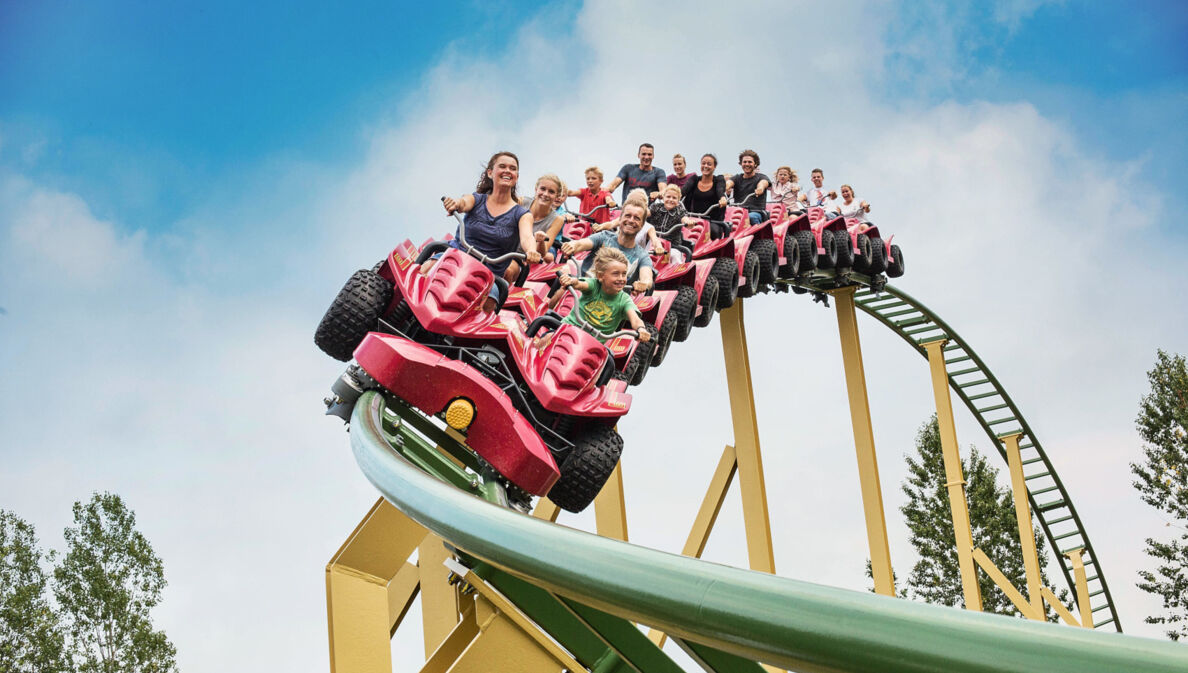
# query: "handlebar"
[[480, 256]]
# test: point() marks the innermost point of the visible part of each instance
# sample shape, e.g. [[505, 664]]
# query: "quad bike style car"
[[736, 267], [883, 256], [694, 283]]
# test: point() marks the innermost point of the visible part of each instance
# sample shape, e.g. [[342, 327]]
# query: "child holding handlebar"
[[603, 303]]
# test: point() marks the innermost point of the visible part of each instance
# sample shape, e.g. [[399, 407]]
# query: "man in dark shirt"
[[643, 175], [751, 183]]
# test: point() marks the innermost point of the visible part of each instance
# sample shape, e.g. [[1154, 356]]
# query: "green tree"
[[31, 640], [936, 577], [1162, 481], [106, 584]]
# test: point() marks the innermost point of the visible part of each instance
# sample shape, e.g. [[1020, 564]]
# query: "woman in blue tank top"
[[495, 222]]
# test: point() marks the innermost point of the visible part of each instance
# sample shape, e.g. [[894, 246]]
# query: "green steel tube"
[[788, 623]]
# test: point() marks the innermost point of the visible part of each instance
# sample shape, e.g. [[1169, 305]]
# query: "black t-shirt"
[[697, 201], [744, 187]]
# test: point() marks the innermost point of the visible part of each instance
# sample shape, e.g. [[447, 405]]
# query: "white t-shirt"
[[853, 210], [817, 196]]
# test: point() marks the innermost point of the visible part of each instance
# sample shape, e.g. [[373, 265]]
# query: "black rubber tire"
[[751, 273], [895, 269], [708, 302], [790, 268], [769, 260], [845, 249], [862, 261], [352, 314], [667, 332], [596, 451], [878, 256], [726, 271], [828, 259], [608, 370], [684, 307], [807, 243]]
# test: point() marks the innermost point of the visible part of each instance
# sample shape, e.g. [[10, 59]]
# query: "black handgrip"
[[432, 249], [547, 320]]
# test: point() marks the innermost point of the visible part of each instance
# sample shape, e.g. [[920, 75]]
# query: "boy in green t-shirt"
[[603, 303]]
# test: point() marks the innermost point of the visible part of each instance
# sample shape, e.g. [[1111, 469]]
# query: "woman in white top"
[[849, 208]]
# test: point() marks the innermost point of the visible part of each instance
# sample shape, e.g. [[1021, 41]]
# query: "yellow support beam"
[[868, 464], [715, 495], [757, 522], [1019, 600], [954, 479], [546, 509], [1054, 601], [610, 509], [1023, 518], [359, 577], [1078, 567], [439, 600]]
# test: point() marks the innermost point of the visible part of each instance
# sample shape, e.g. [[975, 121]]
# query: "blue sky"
[[183, 188], [184, 94]]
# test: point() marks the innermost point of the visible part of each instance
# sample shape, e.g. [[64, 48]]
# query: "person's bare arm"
[[462, 204], [527, 240], [615, 182], [574, 247], [762, 187], [645, 279], [637, 323], [576, 283]]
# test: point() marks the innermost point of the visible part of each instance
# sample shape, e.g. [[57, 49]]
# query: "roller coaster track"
[[588, 592], [998, 415], [585, 590]]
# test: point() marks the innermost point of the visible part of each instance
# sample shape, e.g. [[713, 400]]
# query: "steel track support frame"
[[369, 587], [1078, 566], [868, 464], [756, 519], [954, 479], [1023, 516]]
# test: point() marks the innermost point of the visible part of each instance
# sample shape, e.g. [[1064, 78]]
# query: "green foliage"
[[1163, 483], [31, 640], [936, 576], [108, 581]]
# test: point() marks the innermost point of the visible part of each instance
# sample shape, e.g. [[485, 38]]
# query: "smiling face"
[[645, 157], [505, 171], [671, 199], [678, 165], [708, 165], [747, 164], [631, 219], [613, 278], [818, 179], [847, 193], [546, 191]]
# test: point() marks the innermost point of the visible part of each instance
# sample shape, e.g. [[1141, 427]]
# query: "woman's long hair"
[[486, 185]]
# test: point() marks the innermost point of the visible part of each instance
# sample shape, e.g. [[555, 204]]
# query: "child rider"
[[603, 303]]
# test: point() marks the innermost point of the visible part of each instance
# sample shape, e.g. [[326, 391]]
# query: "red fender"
[[741, 247], [562, 367], [449, 299], [429, 381]]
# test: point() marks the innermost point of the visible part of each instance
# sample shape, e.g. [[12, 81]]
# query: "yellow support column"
[[868, 464], [610, 509], [1026, 532], [358, 610], [954, 479], [746, 440], [439, 599], [1082, 583]]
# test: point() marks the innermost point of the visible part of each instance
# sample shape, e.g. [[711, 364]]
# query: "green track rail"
[[996, 412], [587, 590]]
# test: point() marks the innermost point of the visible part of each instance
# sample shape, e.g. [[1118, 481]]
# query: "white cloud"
[[184, 369]]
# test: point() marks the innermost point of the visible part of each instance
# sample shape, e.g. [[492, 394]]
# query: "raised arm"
[[574, 247]]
